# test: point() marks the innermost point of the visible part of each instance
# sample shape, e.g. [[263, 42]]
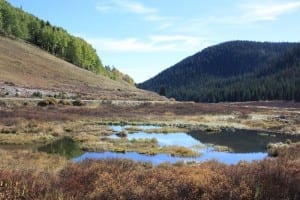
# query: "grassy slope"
[[28, 66]]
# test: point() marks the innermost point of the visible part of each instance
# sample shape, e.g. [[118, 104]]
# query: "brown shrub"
[[78, 103], [25, 185], [123, 179]]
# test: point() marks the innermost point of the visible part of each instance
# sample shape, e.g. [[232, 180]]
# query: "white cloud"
[[126, 6], [131, 6], [243, 14], [127, 44], [157, 43], [175, 38], [134, 7], [268, 10], [103, 8]]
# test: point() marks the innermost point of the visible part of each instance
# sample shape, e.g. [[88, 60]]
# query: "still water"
[[245, 145], [224, 157]]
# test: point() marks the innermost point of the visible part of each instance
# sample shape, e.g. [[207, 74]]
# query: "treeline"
[[234, 71], [115, 74], [14, 22]]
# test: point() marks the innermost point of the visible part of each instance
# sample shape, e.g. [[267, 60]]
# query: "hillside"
[[26, 68], [16, 23], [232, 71]]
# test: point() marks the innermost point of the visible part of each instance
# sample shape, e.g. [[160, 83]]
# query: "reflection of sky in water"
[[232, 158], [117, 128], [121, 128], [178, 139], [224, 157], [148, 127]]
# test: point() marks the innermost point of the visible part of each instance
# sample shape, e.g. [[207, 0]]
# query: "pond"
[[245, 145]]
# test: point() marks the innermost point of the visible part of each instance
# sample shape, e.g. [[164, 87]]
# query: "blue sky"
[[144, 37]]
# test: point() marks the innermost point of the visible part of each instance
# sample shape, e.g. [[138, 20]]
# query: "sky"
[[143, 37]]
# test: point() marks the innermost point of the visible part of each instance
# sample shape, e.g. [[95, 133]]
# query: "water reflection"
[[246, 145], [65, 146], [224, 157], [163, 139], [242, 141]]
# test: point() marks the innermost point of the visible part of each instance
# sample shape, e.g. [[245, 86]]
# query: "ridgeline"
[[233, 71]]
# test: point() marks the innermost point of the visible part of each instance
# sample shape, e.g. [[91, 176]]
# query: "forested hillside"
[[233, 71], [14, 22]]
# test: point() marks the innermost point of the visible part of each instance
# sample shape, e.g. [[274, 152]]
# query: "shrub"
[[78, 103], [37, 94], [47, 102], [61, 95], [122, 134], [43, 103], [65, 102], [52, 101], [2, 103]]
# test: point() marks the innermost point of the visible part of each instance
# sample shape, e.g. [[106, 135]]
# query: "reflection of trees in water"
[[65, 146], [242, 141]]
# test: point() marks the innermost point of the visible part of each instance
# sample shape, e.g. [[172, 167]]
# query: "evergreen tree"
[[162, 91], [297, 91], [1, 23]]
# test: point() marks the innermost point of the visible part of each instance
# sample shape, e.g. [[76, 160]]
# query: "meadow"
[[27, 173]]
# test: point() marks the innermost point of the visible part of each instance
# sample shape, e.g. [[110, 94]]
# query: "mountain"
[[25, 69], [233, 71]]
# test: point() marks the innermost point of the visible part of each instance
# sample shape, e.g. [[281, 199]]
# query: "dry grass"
[[186, 115], [26, 159], [22, 138], [27, 66], [180, 151], [288, 150]]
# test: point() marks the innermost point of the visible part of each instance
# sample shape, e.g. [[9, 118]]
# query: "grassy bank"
[[143, 146], [285, 150]]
